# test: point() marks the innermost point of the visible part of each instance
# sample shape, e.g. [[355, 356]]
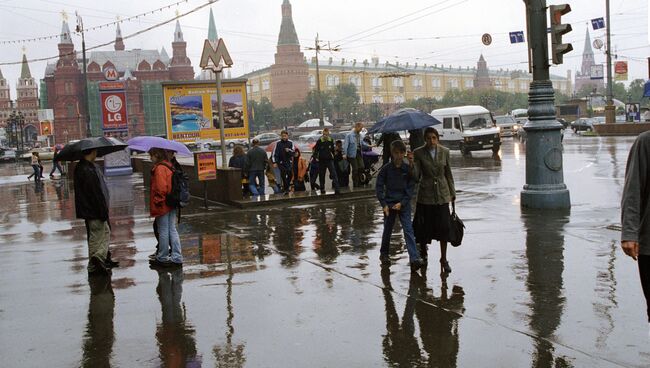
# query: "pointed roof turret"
[[587, 56], [119, 43], [1, 76], [65, 33], [212, 29], [481, 59], [588, 48], [288, 34], [164, 57], [128, 75], [178, 33], [24, 70]]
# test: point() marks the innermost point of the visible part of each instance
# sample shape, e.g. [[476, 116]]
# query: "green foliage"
[[498, 102], [261, 113]]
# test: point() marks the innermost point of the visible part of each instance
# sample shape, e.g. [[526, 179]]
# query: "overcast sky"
[[440, 31]]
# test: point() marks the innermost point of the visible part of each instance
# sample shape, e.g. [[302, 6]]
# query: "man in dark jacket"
[[386, 139], [635, 210], [91, 204], [283, 159], [324, 154], [256, 160]]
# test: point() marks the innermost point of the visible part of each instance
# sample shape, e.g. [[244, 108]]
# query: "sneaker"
[[385, 260], [416, 265], [153, 255]]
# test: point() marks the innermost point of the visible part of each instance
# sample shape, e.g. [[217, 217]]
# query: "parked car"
[[7, 155], [267, 138], [45, 153], [507, 124], [583, 125], [311, 137]]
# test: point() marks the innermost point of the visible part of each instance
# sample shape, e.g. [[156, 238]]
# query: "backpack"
[[179, 196]]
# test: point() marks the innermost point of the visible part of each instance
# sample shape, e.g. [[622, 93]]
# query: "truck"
[[467, 128]]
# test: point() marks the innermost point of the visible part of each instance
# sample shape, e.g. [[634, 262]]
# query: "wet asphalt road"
[[302, 286]]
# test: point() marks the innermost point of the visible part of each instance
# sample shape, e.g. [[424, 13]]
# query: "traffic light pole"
[[545, 188], [610, 110]]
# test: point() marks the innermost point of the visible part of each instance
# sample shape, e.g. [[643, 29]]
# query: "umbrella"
[[314, 123], [103, 145], [145, 143], [404, 119]]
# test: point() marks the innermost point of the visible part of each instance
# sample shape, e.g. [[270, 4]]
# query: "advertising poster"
[[206, 165], [46, 127], [191, 111], [620, 71], [632, 112], [112, 98]]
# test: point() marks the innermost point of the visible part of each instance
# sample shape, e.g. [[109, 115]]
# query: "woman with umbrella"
[[436, 189]]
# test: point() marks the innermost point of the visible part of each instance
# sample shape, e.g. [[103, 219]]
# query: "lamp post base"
[[545, 197]]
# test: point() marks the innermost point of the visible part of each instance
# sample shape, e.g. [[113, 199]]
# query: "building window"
[[469, 83], [256, 87], [497, 84], [356, 81], [376, 82], [332, 80], [67, 87], [398, 82], [69, 111], [377, 99], [266, 84], [511, 85], [435, 83], [398, 99], [416, 82], [312, 80], [453, 83], [523, 86]]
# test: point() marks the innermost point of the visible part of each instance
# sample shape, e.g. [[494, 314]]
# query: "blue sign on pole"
[[517, 37], [598, 23]]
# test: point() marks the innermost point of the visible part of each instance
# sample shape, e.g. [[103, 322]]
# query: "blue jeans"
[[259, 174], [407, 225], [168, 237]]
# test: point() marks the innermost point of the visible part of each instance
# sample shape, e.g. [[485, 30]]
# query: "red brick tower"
[[119, 43], [482, 79], [5, 101], [290, 73], [180, 67], [27, 101]]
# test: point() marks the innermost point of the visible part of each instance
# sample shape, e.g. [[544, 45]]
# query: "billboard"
[[191, 112], [112, 98], [633, 112], [620, 71]]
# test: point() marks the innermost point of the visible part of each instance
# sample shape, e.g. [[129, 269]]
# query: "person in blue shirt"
[[395, 187]]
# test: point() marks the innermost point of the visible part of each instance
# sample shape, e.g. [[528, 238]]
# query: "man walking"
[[255, 165], [324, 154], [352, 152], [635, 207], [91, 204], [283, 159]]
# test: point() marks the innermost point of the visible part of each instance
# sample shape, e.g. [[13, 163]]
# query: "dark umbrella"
[[404, 119], [104, 145]]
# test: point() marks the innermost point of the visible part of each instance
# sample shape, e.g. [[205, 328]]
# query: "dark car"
[[564, 123], [582, 125], [267, 138]]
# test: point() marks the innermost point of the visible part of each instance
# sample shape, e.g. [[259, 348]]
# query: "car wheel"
[[231, 145]]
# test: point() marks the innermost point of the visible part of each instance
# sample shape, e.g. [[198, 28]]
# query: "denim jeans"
[[259, 174], [407, 225], [168, 237], [327, 165]]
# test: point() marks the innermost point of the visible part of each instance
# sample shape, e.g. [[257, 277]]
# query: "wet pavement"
[[302, 286]]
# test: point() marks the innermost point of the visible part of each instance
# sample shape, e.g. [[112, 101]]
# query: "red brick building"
[[141, 71]]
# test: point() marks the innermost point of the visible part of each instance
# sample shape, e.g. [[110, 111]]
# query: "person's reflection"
[[544, 253], [399, 344], [174, 334], [439, 326], [325, 239], [288, 235], [99, 337]]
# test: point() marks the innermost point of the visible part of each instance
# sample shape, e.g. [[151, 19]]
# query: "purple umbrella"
[[145, 143]]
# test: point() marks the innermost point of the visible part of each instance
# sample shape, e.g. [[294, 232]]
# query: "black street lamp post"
[[17, 122]]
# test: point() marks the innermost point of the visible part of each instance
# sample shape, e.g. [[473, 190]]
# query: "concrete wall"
[[621, 128]]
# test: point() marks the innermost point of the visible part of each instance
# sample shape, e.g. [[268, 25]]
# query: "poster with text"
[[191, 111]]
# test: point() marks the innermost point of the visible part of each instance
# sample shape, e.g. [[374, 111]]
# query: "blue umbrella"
[[145, 143], [404, 119]]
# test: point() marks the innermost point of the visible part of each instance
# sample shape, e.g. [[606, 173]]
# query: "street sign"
[[517, 37], [211, 56], [597, 72], [598, 23], [598, 44], [486, 39], [620, 71], [110, 74]]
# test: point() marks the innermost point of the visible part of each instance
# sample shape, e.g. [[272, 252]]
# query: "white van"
[[467, 128]]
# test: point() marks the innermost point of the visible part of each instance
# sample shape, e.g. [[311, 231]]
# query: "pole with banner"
[[211, 59]]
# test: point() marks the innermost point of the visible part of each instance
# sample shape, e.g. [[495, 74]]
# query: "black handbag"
[[456, 228]]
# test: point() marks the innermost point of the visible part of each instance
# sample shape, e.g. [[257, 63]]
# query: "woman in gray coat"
[[435, 191]]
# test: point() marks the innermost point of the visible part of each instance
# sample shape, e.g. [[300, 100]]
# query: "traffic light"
[[558, 29]]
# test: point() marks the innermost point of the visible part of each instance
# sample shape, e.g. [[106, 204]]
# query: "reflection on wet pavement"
[[302, 285]]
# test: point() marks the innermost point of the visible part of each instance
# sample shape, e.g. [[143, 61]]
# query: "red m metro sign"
[[114, 110]]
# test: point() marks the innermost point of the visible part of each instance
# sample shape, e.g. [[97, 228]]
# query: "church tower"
[[290, 73], [584, 84], [27, 100], [213, 37], [482, 79], [119, 43], [180, 67], [5, 100]]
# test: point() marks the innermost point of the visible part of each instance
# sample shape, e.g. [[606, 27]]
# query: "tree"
[[345, 101], [635, 90], [261, 113]]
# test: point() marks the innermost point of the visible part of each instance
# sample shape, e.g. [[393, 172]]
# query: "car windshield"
[[476, 121], [504, 120]]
